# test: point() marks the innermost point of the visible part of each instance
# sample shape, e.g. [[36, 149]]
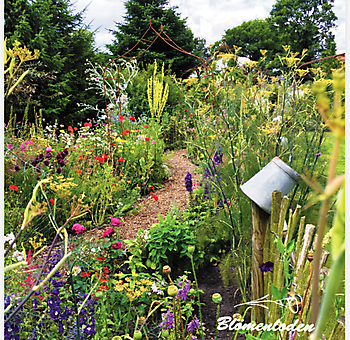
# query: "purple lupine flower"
[[188, 181], [193, 325], [266, 267]]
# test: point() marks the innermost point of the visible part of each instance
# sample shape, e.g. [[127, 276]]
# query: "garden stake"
[[304, 298], [259, 224]]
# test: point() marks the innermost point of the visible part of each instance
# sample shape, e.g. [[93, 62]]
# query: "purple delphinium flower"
[[193, 325], [188, 181], [266, 267], [291, 335], [59, 170], [168, 321]]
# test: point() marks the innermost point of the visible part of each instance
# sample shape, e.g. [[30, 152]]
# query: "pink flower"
[[108, 232], [115, 221], [9, 146], [48, 149], [117, 245], [153, 142], [78, 228]]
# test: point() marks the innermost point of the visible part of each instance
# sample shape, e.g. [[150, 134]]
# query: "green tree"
[[64, 44], [252, 36], [139, 14], [305, 24]]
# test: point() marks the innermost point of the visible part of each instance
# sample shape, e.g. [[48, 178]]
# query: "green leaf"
[[280, 246], [275, 292], [290, 246]]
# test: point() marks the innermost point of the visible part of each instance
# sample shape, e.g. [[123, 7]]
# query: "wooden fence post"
[[259, 223]]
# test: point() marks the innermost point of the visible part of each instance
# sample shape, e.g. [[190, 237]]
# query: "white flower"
[[9, 237], [76, 270], [19, 256]]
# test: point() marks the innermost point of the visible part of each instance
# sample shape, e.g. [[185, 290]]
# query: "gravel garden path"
[[172, 193]]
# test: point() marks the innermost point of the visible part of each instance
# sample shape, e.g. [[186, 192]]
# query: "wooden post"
[[259, 223]]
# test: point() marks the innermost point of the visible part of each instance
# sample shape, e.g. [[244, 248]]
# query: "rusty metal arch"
[[162, 35]]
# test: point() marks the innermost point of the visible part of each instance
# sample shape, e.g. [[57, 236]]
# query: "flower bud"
[[166, 270], [99, 294], [117, 338], [237, 316], [137, 335], [165, 333], [172, 290], [216, 298], [192, 291], [191, 249]]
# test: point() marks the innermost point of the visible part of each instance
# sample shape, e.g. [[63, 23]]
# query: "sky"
[[207, 19]]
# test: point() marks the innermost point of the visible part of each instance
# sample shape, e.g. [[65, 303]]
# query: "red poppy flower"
[[126, 132], [99, 159], [70, 128], [146, 138], [186, 110], [121, 118], [121, 160], [132, 118], [191, 114], [79, 172], [151, 187], [155, 197], [87, 124], [75, 129], [114, 144], [13, 187], [138, 130], [105, 270], [105, 157], [146, 126], [52, 201], [81, 157], [101, 258], [83, 274]]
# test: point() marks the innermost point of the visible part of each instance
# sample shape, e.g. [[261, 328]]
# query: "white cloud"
[[207, 19]]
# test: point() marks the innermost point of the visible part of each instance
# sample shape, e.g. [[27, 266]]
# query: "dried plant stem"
[[320, 234]]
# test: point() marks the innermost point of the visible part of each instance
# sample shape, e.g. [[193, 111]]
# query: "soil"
[[210, 282]]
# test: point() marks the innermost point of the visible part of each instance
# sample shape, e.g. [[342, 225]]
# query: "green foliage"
[[166, 243], [58, 82], [309, 25], [299, 24], [139, 14]]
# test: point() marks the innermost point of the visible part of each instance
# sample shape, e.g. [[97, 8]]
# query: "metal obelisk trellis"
[[163, 36]]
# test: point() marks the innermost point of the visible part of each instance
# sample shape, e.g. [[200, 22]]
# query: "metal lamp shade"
[[276, 175]]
